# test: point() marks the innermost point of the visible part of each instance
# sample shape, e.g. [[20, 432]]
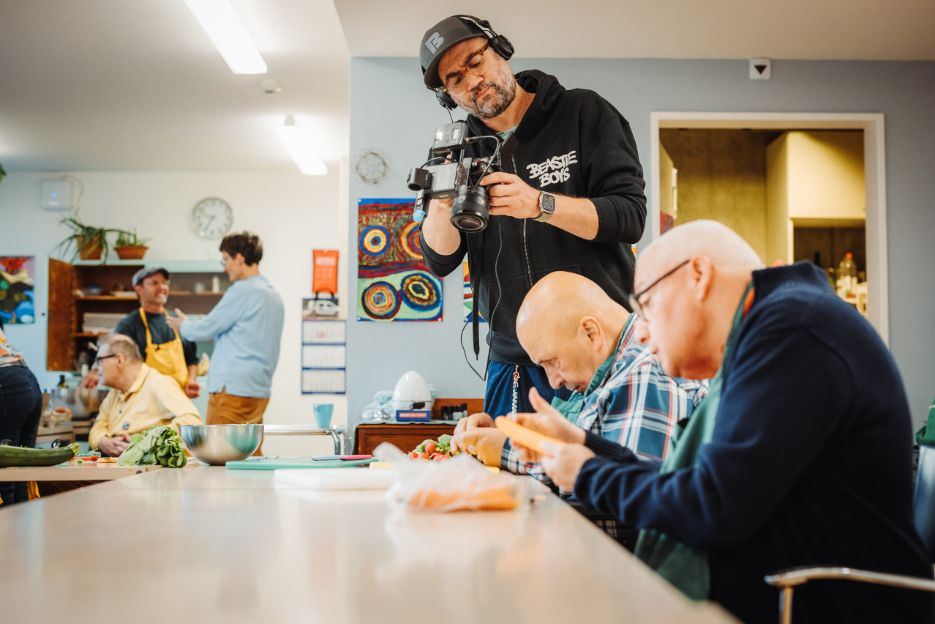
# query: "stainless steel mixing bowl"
[[219, 444]]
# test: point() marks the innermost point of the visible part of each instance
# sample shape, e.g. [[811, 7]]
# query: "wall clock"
[[212, 218], [371, 166]]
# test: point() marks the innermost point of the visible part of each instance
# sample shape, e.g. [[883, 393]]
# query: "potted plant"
[[129, 246], [88, 242]]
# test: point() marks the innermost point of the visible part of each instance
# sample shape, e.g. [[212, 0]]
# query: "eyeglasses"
[[455, 78], [634, 299], [98, 359]]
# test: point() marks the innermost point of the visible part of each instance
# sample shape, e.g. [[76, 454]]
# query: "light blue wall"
[[391, 111]]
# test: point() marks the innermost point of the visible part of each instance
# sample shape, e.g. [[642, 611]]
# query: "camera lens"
[[469, 211]]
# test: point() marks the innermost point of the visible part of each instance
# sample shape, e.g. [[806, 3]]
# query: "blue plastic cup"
[[323, 412]]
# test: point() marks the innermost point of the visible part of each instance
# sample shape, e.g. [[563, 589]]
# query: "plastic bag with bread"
[[459, 484]]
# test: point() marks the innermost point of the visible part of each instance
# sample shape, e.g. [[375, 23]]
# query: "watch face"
[[212, 218], [548, 203]]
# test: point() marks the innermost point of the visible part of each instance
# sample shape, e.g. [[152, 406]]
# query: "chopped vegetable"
[[88, 456], [157, 445], [434, 450]]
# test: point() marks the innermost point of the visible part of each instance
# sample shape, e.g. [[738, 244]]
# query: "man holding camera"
[[569, 196]]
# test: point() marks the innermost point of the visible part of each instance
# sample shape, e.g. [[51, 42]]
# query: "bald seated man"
[[140, 397], [809, 458], [584, 341]]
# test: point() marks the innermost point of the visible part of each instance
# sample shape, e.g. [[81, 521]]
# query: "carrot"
[[523, 435]]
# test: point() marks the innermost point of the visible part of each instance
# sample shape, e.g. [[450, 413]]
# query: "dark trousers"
[[20, 409], [498, 397]]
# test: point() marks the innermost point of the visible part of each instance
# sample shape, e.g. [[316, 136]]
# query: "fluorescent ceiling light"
[[228, 35], [301, 145]]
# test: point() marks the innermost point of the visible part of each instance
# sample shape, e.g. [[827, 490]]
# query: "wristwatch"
[[546, 207]]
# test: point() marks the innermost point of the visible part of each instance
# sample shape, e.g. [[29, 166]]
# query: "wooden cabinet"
[[405, 436], [87, 297]]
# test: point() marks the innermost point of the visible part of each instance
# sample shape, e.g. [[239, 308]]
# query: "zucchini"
[[22, 456]]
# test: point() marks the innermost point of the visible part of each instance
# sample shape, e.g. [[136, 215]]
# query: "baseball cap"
[[438, 39], [145, 272]]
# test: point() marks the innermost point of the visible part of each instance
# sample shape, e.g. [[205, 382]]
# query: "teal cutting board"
[[277, 463]]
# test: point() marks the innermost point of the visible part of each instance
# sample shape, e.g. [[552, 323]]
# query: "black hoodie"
[[569, 142]]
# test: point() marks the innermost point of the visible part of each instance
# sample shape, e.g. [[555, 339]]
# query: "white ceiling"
[[135, 85], [712, 29]]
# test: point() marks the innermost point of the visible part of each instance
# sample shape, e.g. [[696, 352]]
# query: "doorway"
[[752, 138]]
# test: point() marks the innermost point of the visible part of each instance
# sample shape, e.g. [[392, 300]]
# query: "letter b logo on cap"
[[434, 42]]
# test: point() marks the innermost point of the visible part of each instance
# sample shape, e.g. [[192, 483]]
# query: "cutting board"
[[280, 463], [337, 479]]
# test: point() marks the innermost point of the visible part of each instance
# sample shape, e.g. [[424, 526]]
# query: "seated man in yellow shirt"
[[140, 397]]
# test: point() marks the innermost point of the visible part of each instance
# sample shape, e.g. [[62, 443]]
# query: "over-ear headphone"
[[498, 43]]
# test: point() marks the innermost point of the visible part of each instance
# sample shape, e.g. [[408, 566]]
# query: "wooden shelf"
[[68, 303]]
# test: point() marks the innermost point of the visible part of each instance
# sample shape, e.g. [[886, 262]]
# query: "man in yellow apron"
[[163, 348]]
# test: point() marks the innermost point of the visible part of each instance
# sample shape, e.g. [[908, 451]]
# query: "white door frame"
[[874, 178]]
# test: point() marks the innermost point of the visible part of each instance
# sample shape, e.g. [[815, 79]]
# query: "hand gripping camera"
[[451, 171]]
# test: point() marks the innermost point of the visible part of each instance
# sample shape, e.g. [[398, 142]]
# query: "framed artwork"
[[17, 292], [393, 281]]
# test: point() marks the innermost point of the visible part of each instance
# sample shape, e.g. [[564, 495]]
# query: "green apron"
[[683, 566], [926, 435]]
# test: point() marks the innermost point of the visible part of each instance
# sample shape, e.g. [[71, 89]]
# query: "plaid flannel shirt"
[[635, 404]]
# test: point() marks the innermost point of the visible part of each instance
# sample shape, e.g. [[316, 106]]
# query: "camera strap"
[[474, 264]]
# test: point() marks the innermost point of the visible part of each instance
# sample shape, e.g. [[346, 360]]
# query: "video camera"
[[451, 172]]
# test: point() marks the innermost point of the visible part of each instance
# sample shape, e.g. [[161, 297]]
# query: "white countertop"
[[203, 544]]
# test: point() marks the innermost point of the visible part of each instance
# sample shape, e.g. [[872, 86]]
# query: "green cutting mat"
[[277, 463]]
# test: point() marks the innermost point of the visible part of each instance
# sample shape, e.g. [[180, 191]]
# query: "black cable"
[[464, 351], [496, 275], [496, 150], [431, 160]]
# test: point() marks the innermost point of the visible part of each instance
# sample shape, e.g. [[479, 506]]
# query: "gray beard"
[[502, 98]]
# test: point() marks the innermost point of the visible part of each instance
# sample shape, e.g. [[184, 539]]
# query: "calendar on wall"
[[324, 356]]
